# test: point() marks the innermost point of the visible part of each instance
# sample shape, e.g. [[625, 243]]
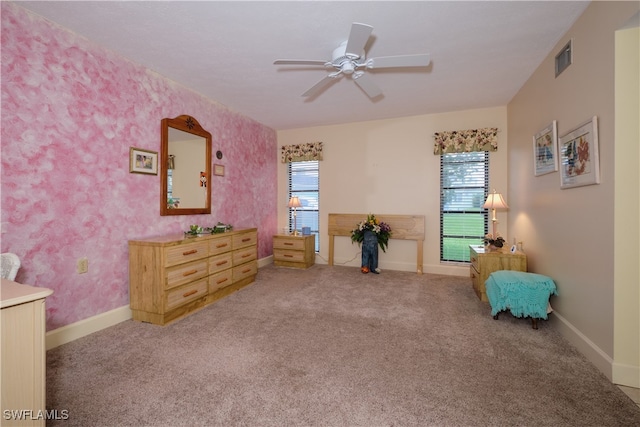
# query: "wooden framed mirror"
[[185, 167]]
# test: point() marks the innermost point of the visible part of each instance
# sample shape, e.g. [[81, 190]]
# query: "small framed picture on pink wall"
[[218, 170], [143, 161]]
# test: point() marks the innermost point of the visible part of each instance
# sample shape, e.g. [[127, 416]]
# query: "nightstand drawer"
[[287, 255], [296, 244]]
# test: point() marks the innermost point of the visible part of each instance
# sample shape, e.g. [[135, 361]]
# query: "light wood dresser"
[[23, 354], [484, 262], [172, 276], [294, 251]]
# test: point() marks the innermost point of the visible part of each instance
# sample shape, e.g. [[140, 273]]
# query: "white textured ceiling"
[[482, 52]]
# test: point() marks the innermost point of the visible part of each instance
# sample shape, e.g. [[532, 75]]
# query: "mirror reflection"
[[186, 160]]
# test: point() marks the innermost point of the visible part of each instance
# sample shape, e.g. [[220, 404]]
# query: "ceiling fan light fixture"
[[347, 67], [350, 58]]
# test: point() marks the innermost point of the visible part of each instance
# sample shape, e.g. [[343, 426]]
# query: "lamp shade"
[[495, 201], [294, 202]]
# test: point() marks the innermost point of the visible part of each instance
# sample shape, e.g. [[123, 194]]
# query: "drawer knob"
[[191, 252], [288, 244], [246, 239], [221, 281], [288, 256], [189, 273], [246, 255], [219, 263], [246, 271], [221, 245], [186, 294]]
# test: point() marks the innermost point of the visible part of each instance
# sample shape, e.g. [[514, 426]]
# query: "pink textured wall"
[[70, 112]]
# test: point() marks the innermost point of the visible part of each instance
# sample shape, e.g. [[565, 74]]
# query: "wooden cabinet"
[[294, 251], [23, 354], [172, 276], [483, 263]]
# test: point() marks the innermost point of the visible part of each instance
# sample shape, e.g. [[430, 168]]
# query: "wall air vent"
[[564, 58]]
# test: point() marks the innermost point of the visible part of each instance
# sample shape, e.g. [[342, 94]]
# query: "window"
[[304, 182], [464, 182]]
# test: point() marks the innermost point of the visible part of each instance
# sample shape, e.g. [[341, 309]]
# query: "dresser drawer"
[[244, 255], [179, 254], [220, 262], [288, 243], [287, 255], [220, 280], [185, 273], [184, 294], [244, 271], [220, 245], [245, 239]]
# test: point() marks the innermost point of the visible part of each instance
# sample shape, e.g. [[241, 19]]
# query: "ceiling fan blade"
[[358, 39], [367, 85], [420, 60], [322, 84], [299, 62]]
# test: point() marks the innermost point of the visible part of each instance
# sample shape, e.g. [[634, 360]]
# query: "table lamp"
[[294, 202], [495, 202]]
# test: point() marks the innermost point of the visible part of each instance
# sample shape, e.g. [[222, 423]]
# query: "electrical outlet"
[[82, 266]]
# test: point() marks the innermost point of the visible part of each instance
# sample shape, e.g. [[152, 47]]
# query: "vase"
[[369, 252]]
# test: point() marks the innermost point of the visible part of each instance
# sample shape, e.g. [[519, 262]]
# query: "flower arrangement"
[[195, 230], [381, 229], [498, 242]]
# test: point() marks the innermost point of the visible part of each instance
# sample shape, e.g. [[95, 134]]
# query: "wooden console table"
[[403, 227]]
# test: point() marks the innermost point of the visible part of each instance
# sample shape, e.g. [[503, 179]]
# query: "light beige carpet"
[[329, 346]]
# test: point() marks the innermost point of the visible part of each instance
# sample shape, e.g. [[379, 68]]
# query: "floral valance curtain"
[[302, 152], [466, 141]]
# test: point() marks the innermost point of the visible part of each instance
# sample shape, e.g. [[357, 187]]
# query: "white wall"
[[569, 234], [388, 167]]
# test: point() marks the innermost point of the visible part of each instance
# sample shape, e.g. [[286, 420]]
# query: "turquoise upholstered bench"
[[523, 294]]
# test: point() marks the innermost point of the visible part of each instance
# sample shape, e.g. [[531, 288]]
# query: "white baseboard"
[[588, 348], [263, 262], [76, 330], [626, 375], [617, 373]]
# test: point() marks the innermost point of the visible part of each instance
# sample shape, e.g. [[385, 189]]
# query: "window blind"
[[304, 182], [464, 182]]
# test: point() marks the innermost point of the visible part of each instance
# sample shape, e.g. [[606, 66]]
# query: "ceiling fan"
[[349, 59]]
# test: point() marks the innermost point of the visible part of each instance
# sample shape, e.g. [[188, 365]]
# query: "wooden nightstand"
[[483, 263], [294, 251]]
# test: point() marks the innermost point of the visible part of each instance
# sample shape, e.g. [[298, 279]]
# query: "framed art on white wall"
[[545, 150], [579, 156]]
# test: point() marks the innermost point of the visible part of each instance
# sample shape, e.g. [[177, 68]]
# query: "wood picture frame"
[[579, 156], [218, 170], [545, 150], [143, 161]]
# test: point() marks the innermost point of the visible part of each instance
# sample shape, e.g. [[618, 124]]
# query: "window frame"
[[306, 210], [475, 210]]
